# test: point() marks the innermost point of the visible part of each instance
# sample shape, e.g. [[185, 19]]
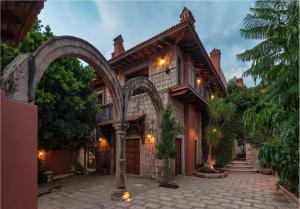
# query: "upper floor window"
[[101, 97]]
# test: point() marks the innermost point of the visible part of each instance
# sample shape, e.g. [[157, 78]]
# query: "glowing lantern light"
[[41, 155], [213, 162], [198, 81], [212, 96], [126, 196], [162, 61], [150, 138]]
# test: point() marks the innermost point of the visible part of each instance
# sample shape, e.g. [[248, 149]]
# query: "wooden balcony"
[[186, 94]]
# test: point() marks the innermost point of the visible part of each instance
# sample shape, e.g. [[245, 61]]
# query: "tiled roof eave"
[[212, 68], [149, 41]]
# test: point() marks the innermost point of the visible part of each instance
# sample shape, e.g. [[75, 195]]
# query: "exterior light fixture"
[[162, 61], [198, 81], [101, 139], [150, 138], [126, 196], [212, 96], [213, 162], [214, 130], [41, 155]]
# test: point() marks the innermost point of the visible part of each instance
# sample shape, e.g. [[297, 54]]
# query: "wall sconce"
[[162, 61], [101, 139], [150, 138], [198, 81], [41, 155]]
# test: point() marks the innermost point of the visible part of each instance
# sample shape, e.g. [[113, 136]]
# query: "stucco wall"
[[18, 154]]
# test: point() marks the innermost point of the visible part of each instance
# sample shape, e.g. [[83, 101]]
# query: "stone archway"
[[133, 85], [22, 76], [145, 85]]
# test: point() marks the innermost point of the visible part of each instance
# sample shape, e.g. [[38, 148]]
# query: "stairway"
[[240, 166]]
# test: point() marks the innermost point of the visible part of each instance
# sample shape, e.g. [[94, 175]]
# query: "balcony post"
[[120, 193]]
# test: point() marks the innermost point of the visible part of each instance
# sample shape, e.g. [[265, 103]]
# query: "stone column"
[[120, 193]]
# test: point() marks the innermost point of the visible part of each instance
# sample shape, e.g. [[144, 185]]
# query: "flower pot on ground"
[[266, 171]]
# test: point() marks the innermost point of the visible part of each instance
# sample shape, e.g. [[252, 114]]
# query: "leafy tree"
[[220, 113], [275, 61], [66, 103], [243, 98], [166, 146]]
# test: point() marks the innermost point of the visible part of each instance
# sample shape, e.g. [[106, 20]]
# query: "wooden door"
[[133, 156], [178, 157]]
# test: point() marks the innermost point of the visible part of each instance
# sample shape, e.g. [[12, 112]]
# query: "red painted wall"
[[59, 161], [190, 124], [18, 154]]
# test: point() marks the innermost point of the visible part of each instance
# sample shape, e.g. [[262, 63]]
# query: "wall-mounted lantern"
[[198, 81], [163, 63], [41, 155], [150, 138]]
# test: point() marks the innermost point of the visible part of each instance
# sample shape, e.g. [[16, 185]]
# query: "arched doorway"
[[21, 78], [141, 100]]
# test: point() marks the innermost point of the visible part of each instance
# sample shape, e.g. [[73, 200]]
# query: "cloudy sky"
[[217, 23]]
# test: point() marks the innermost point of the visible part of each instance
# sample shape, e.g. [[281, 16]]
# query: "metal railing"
[[164, 79]]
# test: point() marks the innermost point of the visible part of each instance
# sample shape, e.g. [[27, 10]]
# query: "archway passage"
[[21, 78], [144, 85], [132, 87], [72, 46]]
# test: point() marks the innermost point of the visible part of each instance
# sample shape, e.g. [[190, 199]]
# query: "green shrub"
[[77, 169], [45, 176], [284, 161], [223, 151]]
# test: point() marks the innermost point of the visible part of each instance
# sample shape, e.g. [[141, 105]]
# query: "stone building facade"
[[184, 75]]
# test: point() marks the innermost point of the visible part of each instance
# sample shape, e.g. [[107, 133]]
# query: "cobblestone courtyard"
[[236, 191]]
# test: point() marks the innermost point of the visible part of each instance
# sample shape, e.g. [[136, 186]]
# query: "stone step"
[[239, 166], [240, 159], [239, 162], [232, 170]]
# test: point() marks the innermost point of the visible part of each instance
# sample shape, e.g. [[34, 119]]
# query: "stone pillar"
[[120, 193]]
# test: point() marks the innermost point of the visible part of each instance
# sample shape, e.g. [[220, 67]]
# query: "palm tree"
[[220, 112]]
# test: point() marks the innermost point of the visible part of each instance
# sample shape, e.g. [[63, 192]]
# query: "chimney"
[[239, 82], [187, 16], [118, 46], [215, 57]]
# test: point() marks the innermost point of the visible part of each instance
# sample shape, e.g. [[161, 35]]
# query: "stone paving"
[[245, 191]]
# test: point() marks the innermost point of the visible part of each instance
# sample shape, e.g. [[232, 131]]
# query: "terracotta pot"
[[266, 171]]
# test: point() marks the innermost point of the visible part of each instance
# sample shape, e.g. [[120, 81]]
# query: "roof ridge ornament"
[[187, 16]]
